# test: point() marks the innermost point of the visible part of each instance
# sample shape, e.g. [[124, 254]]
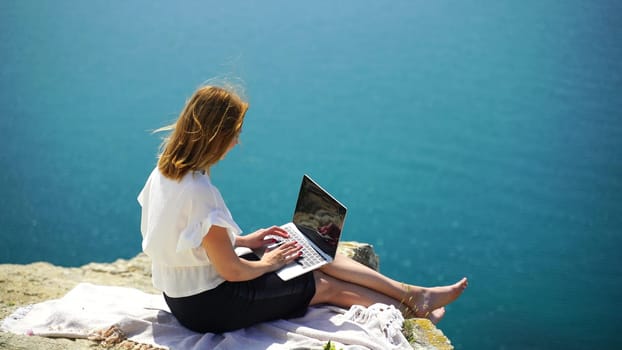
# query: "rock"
[[32, 283], [423, 335], [361, 252]]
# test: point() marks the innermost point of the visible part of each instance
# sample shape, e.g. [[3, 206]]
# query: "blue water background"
[[469, 138]]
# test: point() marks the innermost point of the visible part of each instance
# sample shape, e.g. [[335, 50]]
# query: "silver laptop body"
[[317, 225]]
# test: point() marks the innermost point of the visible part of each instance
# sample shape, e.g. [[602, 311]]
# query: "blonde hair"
[[210, 121]]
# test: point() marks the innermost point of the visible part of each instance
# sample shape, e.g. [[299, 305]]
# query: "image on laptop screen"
[[319, 216]]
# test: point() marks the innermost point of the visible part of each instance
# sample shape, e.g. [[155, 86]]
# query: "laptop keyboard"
[[309, 256]]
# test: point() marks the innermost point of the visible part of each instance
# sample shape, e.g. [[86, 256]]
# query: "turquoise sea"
[[467, 138]]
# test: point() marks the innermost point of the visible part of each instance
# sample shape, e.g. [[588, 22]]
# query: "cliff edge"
[[32, 283]]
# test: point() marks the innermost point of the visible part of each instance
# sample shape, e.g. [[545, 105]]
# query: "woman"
[[191, 238]]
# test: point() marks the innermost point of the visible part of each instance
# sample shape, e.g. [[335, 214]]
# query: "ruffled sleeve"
[[192, 235], [204, 207]]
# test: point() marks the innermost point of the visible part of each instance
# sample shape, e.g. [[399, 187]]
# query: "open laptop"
[[316, 226]]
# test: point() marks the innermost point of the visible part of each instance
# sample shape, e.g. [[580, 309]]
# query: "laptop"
[[316, 225]]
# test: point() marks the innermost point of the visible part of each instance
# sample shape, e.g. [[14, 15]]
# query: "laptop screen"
[[319, 216]]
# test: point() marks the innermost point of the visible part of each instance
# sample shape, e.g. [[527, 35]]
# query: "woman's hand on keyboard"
[[282, 255], [261, 237]]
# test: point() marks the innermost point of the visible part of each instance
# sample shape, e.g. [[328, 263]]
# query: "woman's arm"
[[258, 239], [232, 268]]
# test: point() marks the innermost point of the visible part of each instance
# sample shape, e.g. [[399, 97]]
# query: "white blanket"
[[145, 318]]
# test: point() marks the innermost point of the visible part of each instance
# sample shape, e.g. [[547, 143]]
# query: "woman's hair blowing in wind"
[[203, 132]]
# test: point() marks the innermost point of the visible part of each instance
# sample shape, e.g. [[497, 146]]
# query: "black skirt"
[[235, 305]]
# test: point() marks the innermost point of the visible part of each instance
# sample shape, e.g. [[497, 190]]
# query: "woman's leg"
[[331, 290], [422, 301]]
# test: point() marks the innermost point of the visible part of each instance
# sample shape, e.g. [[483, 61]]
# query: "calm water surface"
[[466, 138]]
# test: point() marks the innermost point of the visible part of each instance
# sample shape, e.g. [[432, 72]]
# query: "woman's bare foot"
[[437, 315], [424, 301]]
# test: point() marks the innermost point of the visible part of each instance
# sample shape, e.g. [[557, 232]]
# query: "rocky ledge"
[[27, 284]]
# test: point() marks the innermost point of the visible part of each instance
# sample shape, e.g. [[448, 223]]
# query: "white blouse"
[[175, 218]]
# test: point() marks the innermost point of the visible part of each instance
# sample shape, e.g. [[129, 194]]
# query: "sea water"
[[477, 139]]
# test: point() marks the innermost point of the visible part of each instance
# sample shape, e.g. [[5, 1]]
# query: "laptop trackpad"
[[290, 271]]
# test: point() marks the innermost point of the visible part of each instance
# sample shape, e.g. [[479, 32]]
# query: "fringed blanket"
[[138, 320]]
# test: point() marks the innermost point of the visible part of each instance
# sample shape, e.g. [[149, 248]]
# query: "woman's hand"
[[258, 238], [231, 267], [282, 255]]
